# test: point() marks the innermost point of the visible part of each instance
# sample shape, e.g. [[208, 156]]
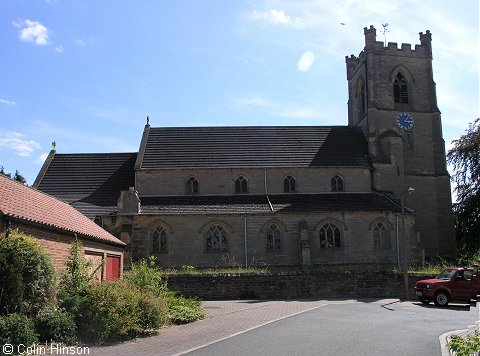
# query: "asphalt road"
[[349, 328], [304, 327]]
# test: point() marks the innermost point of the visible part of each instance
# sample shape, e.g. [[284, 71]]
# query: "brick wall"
[[346, 284], [57, 244]]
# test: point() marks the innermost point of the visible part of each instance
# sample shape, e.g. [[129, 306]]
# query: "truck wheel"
[[441, 299]]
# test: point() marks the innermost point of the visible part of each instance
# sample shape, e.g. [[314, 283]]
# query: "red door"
[[113, 268]]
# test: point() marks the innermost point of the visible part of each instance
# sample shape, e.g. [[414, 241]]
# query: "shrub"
[[27, 276], [146, 276], [78, 272], [183, 310], [465, 347], [117, 311], [16, 329], [55, 324]]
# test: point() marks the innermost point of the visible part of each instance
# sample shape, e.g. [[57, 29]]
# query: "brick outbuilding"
[[55, 224]]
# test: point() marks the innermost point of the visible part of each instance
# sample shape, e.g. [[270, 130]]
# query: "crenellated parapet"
[[422, 50]]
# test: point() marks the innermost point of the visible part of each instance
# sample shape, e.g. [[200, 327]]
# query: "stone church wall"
[[221, 181], [348, 283], [186, 238]]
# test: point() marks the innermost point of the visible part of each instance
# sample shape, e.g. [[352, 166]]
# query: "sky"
[[86, 73]]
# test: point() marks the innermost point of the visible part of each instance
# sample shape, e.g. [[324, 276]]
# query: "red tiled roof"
[[22, 202]]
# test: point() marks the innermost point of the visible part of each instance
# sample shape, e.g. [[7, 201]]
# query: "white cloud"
[[276, 17], [7, 102], [32, 31], [278, 109], [300, 113], [305, 61], [81, 43], [41, 158], [252, 101], [16, 142], [59, 49]]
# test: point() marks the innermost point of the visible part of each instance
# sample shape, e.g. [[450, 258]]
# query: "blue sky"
[[87, 73]]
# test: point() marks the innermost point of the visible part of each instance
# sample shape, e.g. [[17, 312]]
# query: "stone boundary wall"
[[293, 285]]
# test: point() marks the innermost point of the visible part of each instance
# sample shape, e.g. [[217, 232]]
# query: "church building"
[[283, 195]]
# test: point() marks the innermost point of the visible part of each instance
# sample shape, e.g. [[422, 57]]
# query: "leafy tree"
[[465, 158], [17, 176], [27, 275], [3, 173]]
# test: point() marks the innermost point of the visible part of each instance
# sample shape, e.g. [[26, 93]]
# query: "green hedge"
[[27, 275], [114, 311], [17, 329]]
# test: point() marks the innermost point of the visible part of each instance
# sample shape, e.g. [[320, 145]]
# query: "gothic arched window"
[[216, 239], [400, 89], [361, 99], [330, 236], [380, 235], [273, 238], [289, 184], [191, 186], [159, 240], [337, 183], [241, 185]]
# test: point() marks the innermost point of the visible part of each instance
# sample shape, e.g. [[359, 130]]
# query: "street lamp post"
[[404, 241]]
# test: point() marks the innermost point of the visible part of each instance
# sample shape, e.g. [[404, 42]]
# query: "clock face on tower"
[[405, 121]]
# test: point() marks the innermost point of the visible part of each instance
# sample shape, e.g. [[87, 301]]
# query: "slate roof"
[[30, 205], [91, 182], [236, 204], [254, 146]]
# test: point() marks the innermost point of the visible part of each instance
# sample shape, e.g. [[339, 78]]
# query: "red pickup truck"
[[453, 284]]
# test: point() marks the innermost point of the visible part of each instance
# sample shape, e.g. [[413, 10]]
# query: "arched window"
[[361, 99], [241, 185], [216, 239], [337, 183], [330, 236], [159, 240], [289, 184], [191, 186], [380, 235], [273, 238], [400, 89]]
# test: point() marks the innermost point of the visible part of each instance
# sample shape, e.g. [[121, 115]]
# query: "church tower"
[[392, 97]]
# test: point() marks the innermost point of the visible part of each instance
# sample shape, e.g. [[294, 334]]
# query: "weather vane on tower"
[[385, 30]]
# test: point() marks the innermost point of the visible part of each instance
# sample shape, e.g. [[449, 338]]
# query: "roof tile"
[[22, 202], [255, 146], [91, 182], [291, 203]]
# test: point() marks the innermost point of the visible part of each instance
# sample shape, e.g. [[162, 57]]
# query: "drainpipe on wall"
[[266, 191], [245, 236], [398, 245]]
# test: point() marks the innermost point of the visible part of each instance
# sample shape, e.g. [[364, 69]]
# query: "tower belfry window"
[[400, 89], [361, 99]]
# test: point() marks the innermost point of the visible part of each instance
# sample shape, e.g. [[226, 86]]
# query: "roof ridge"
[[248, 126]]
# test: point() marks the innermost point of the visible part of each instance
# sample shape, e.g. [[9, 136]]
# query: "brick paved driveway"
[[224, 319]]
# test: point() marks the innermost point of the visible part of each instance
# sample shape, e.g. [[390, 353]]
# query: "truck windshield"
[[447, 274]]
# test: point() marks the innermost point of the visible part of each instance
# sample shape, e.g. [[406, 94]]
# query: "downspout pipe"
[[397, 237], [245, 237], [266, 191]]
